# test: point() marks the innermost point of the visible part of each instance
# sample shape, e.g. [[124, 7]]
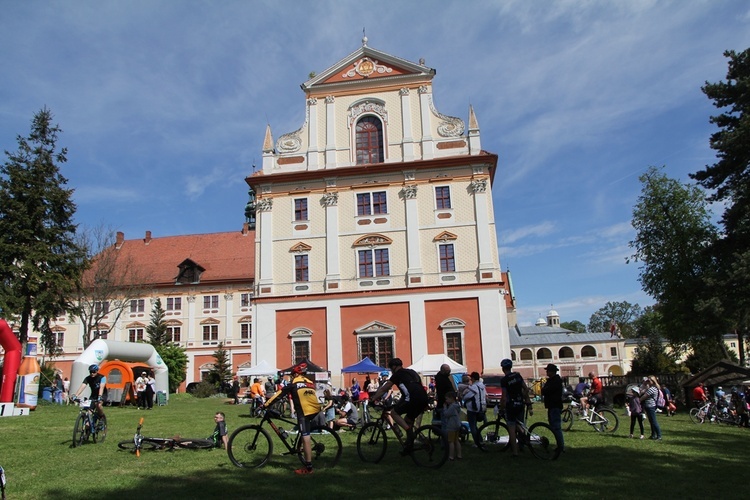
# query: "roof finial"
[[364, 38]]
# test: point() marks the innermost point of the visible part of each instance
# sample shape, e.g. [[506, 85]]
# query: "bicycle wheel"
[[494, 436], [250, 446], [697, 415], [325, 446], [543, 442], [567, 419], [130, 445], [194, 444], [607, 421], [428, 450], [372, 443], [100, 432], [80, 434]]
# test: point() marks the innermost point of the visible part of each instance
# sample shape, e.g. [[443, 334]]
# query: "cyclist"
[[595, 395], [699, 395], [306, 407], [96, 382], [413, 400], [515, 395]]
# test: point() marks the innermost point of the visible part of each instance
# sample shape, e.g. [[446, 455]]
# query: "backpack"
[[660, 403]]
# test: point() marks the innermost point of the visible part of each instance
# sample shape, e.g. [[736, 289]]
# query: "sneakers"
[[303, 471]]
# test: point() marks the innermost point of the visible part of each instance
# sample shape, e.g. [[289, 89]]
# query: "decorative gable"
[[300, 248], [445, 236], [190, 272], [375, 327]]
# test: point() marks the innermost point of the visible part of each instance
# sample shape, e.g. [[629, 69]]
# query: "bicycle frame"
[[269, 416], [141, 442]]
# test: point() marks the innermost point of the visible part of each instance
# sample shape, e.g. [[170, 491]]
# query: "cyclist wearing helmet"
[[96, 382], [515, 395], [413, 400], [306, 407]]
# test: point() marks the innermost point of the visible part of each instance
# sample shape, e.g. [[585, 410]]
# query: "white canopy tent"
[[262, 368], [430, 364]]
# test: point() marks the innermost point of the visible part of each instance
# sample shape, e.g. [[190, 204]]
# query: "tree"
[[729, 182], [574, 326], [706, 352], [176, 360], [650, 355], [222, 369], [673, 236], [157, 329], [622, 313], [40, 260], [105, 289]]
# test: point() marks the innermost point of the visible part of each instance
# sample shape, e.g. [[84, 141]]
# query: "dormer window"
[[369, 140], [190, 272]]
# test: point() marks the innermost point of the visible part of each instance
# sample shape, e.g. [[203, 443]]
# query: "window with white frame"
[[246, 332], [369, 138], [101, 308], [137, 306], [442, 197], [453, 337], [301, 268], [174, 303], [245, 299], [210, 302], [376, 341], [300, 209], [374, 203], [174, 333], [211, 333], [447, 258], [59, 338], [135, 334], [301, 342], [373, 262], [99, 334]]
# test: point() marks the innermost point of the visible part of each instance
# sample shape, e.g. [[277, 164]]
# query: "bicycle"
[[538, 437], [250, 446], [601, 419], [372, 441], [141, 442], [711, 412], [88, 425]]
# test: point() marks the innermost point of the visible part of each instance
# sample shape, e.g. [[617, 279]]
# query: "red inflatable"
[[12, 361]]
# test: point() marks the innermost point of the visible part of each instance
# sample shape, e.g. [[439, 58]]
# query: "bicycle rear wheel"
[[372, 443], [427, 450], [325, 445], [100, 433], [80, 432], [194, 444], [607, 421], [495, 436], [250, 446], [543, 442], [567, 418]]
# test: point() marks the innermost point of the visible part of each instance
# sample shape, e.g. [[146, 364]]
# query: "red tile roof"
[[226, 257]]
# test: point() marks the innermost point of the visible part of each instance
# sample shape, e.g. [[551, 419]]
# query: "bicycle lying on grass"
[[712, 413], [372, 441], [250, 446], [538, 437], [141, 442], [602, 419], [88, 424]]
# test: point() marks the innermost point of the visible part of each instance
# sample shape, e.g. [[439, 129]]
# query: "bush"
[[204, 390]]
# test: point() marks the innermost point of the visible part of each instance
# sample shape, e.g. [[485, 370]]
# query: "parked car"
[[494, 391]]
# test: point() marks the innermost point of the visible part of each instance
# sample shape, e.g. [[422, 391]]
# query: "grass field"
[[691, 462]]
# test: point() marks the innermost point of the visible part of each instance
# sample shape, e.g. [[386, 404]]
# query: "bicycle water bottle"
[[283, 433]]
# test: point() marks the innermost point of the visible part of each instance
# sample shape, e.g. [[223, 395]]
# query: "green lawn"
[[691, 462]]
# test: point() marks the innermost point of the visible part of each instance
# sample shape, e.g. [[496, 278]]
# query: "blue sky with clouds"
[[164, 104]]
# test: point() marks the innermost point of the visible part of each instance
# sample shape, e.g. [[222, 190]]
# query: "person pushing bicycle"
[[413, 400], [96, 382], [515, 395], [306, 407]]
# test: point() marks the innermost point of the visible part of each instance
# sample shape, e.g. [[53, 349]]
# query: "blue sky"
[[164, 104]]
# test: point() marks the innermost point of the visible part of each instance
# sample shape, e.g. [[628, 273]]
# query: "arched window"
[[565, 352], [369, 140], [512, 355], [526, 355], [588, 351], [544, 353]]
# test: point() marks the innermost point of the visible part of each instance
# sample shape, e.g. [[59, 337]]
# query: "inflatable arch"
[[100, 350], [12, 361]]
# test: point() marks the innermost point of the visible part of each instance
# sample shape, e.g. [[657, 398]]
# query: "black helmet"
[[93, 368]]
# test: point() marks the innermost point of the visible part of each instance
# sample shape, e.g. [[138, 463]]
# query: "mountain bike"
[[602, 419], [141, 442], [538, 437], [426, 451], [250, 446], [713, 413], [88, 424]]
